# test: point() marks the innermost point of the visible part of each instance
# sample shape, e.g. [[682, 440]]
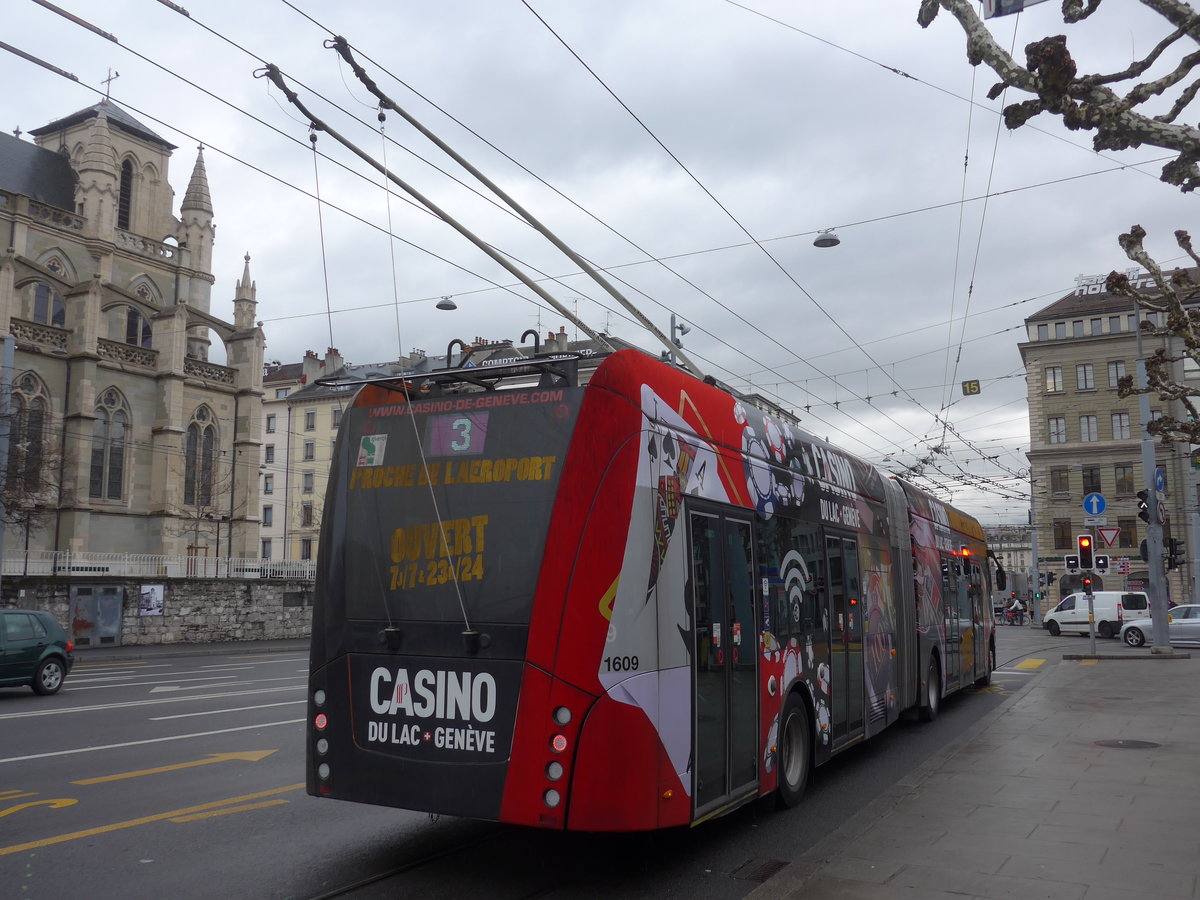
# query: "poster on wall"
[[150, 600]]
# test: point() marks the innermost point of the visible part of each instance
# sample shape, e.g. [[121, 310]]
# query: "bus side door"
[[846, 653], [725, 660]]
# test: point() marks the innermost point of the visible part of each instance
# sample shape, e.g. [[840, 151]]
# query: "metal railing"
[[68, 564]]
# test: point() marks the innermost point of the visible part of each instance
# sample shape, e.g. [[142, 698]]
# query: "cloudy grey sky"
[[692, 148]]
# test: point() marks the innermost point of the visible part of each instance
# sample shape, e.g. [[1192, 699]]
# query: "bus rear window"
[[445, 503]]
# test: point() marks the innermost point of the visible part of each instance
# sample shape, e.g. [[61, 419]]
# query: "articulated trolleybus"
[[630, 604]]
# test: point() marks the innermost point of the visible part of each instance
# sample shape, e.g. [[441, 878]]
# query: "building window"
[[268, 517], [280, 393], [1114, 324], [48, 307], [1058, 430], [310, 450], [1097, 326], [1043, 332], [1091, 480], [1124, 478], [1077, 328], [137, 328], [1060, 330], [199, 459], [306, 515], [125, 197], [1191, 369], [1063, 539], [337, 416], [1054, 378], [310, 419], [1128, 536], [266, 548], [1116, 371], [271, 424], [1058, 481], [1120, 426], [1087, 429], [268, 484], [269, 453], [306, 548], [27, 442], [110, 437], [1085, 377], [308, 482]]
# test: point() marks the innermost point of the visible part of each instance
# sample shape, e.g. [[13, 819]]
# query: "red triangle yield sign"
[[1108, 535]]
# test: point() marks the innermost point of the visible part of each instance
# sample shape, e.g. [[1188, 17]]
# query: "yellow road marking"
[[145, 820], [1030, 664], [246, 755], [53, 804], [224, 812], [13, 795], [1087, 662]]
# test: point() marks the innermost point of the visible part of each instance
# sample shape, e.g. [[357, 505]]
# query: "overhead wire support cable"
[[272, 72], [339, 44]]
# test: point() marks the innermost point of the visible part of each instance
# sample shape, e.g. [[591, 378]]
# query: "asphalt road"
[[183, 777]]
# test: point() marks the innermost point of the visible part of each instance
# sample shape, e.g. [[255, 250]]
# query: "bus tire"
[[933, 691], [795, 752]]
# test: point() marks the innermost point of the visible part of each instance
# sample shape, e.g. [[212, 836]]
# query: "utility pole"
[[1154, 547]]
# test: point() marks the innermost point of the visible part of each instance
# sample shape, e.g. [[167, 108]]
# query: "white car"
[[1183, 627]]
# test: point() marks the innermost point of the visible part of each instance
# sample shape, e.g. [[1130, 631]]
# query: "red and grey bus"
[[618, 601]]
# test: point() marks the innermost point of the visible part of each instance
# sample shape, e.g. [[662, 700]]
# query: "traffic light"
[[1071, 561], [1085, 551], [1144, 551], [1144, 506], [1174, 552], [1037, 595], [1101, 563], [1087, 584]]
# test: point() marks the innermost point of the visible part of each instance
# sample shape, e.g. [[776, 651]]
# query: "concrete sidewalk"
[[100, 655], [1085, 786]]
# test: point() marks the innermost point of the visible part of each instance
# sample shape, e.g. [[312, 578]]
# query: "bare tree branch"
[[1086, 102]]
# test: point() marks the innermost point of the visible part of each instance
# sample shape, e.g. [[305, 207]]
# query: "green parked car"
[[34, 650]]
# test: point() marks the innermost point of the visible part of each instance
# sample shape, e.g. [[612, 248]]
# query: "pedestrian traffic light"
[[1144, 506], [1037, 595], [1101, 563], [1084, 542]]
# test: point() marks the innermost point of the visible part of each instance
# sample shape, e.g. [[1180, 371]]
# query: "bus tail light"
[[321, 721], [552, 798], [558, 743]]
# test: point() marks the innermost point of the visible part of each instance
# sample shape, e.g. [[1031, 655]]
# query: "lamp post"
[[682, 328]]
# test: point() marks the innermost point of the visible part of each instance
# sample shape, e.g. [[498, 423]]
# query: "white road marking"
[[214, 712], [125, 704], [166, 688], [174, 737]]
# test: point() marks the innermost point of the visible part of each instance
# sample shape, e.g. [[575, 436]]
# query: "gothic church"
[[124, 436]]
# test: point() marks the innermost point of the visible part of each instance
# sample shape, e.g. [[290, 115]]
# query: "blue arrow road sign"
[[1160, 480], [1094, 504]]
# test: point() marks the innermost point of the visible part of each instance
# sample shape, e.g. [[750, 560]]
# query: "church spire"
[[197, 196], [244, 299]]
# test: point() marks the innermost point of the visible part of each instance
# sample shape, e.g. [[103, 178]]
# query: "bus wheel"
[[795, 752], [933, 692]]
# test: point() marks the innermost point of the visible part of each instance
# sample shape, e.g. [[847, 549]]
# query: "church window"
[[48, 308], [28, 440], [199, 459], [137, 328], [125, 198], [110, 441]]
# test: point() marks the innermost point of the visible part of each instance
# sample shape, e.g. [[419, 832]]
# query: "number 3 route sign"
[[1094, 504]]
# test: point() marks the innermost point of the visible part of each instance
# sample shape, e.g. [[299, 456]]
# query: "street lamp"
[[447, 303], [827, 238]]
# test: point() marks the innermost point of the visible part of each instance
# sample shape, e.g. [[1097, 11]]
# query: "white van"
[[1111, 609]]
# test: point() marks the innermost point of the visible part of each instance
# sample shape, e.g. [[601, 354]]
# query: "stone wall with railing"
[[166, 611]]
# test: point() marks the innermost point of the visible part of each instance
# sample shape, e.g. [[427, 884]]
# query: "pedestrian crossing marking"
[[1030, 664]]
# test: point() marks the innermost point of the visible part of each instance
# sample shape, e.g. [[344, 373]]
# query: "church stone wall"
[[193, 610]]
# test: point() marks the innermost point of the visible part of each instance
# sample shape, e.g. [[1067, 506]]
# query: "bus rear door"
[[725, 661]]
